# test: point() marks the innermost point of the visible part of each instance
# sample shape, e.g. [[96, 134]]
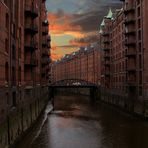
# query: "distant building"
[[83, 64]]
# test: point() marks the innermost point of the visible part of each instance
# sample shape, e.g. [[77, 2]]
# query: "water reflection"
[[75, 123]]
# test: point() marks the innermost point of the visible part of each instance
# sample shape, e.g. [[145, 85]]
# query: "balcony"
[[107, 56], [13, 82], [47, 69], [105, 34], [131, 82], [129, 9], [106, 63], [31, 28], [31, 45], [48, 38], [106, 41], [106, 73], [49, 60], [106, 49], [131, 68], [130, 53], [129, 20], [29, 84], [44, 43], [45, 23], [43, 70], [45, 53], [130, 32], [45, 31], [31, 11], [130, 43], [49, 45], [31, 62], [45, 61]]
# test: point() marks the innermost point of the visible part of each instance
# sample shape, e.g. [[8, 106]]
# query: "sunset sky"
[[75, 23]]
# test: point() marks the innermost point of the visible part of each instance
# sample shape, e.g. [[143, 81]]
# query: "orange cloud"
[[88, 39], [60, 25], [77, 43], [53, 47], [55, 56]]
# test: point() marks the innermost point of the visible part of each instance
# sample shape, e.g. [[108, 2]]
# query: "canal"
[[77, 123]]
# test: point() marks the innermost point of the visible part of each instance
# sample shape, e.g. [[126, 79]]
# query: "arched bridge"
[[73, 83]]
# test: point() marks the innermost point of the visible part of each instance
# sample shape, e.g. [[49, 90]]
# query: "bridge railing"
[[73, 82]]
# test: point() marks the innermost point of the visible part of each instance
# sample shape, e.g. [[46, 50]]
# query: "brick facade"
[[24, 65], [83, 64], [124, 49]]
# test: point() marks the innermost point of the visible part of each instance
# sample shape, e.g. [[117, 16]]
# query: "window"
[[138, 2], [19, 74], [140, 62], [13, 76], [13, 30], [138, 12], [14, 99], [19, 41], [6, 45], [140, 47], [139, 23], [139, 34], [19, 52], [140, 77], [20, 94], [140, 91], [13, 52], [6, 72], [7, 98], [7, 21]]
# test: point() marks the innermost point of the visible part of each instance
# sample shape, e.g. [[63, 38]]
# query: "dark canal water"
[[76, 123]]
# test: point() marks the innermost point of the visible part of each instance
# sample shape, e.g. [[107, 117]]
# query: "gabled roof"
[[103, 23], [110, 14], [100, 31]]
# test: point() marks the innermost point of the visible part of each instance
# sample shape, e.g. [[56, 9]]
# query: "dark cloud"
[[88, 40], [91, 20], [80, 19]]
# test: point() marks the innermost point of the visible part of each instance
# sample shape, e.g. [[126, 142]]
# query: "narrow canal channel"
[[76, 123]]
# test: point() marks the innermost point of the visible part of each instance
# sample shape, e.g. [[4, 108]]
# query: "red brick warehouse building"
[[24, 65], [124, 47], [113, 51], [83, 65]]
